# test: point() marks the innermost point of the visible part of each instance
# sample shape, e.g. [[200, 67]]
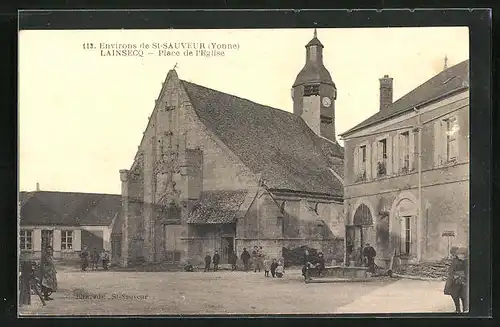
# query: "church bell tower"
[[314, 92]]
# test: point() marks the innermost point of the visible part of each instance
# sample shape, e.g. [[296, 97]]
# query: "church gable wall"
[[222, 170]]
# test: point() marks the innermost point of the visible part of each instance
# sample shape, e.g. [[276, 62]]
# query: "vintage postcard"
[[243, 171]]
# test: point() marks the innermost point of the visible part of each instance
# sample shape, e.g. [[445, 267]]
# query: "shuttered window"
[[451, 139]]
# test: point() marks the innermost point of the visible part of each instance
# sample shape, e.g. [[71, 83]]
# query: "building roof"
[[68, 208], [452, 79], [269, 141], [217, 207]]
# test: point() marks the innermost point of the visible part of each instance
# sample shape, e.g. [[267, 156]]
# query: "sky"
[[82, 113]]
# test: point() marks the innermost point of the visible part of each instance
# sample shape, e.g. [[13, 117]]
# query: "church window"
[[311, 89]]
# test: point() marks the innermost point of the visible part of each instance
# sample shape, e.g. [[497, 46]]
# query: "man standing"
[[307, 263], [260, 257], [216, 260], [208, 260], [84, 255], [369, 253], [245, 257]]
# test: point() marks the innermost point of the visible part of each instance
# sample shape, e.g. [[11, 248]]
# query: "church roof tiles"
[[217, 207], [275, 143]]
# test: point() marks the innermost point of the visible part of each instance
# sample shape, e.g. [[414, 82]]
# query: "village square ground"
[[226, 292]]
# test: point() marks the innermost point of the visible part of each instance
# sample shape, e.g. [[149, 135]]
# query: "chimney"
[[385, 92], [37, 187]]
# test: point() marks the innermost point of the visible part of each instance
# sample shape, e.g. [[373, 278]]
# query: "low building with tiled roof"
[[215, 172], [407, 171], [66, 221]]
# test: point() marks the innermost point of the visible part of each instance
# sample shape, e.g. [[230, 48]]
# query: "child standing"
[[280, 270], [274, 265], [267, 267]]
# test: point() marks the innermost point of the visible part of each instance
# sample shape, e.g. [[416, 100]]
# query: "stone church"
[[215, 172]]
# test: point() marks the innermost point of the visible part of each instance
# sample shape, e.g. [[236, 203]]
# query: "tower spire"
[[445, 62], [315, 32]]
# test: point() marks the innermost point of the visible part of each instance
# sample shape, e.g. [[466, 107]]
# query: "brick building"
[[218, 172], [66, 221], [407, 170]]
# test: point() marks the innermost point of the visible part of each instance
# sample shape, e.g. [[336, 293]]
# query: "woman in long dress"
[[457, 282], [48, 272]]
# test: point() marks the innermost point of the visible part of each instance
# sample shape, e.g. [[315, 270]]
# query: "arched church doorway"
[[361, 231]]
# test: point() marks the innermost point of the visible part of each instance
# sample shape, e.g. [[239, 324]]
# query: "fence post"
[[25, 283]]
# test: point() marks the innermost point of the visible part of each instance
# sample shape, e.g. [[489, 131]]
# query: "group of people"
[[93, 259], [363, 256], [310, 262], [257, 259]]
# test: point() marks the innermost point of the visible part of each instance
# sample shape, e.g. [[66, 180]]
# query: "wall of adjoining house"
[[98, 237], [445, 187]]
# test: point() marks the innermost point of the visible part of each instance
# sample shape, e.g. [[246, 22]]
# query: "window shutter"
[[77, 240], [437, 143], [395, 146], [402, 233], [368, 162], [411, 150], [389, 155], [356, 163], [374, 159], [380, 152], [444, 142], [402, 150], [456, 144]]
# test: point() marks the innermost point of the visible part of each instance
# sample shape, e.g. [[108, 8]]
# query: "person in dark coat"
[[216, 260], [245, 257], [48, 273], [232, 260], [274, 265], [84, 255], [320, 264], [208, 261], [369, 253], [306, 264], [188, 267], [457, 282]]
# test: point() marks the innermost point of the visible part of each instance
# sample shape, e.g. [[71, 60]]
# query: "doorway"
[[227, 247]]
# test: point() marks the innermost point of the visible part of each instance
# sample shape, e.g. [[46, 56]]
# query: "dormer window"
[[311, 89]]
